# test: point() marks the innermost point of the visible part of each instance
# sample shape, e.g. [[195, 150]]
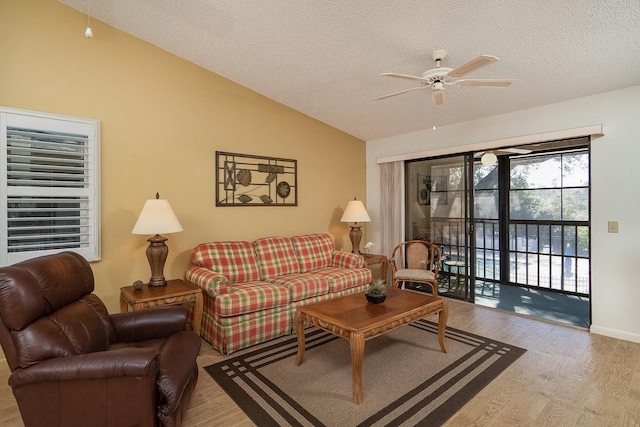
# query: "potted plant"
[[376, 293]]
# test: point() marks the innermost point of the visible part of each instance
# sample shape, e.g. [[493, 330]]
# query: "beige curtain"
[[391, 200]]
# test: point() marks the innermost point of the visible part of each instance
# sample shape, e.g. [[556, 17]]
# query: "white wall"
[[615, 165]]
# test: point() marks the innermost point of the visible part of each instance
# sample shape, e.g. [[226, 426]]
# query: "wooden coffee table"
[[353, 318]]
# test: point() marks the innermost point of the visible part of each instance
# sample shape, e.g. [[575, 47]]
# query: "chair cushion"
[[313, 251], [234, 260], [47, 305], [275, 256], [77, 328], [38, 287], [410, 274]]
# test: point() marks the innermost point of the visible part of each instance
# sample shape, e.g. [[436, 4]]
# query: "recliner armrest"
[[174, 374], [130, 361], [149, 324]]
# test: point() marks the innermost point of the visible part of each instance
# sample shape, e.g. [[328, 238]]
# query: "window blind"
[[50, 180]]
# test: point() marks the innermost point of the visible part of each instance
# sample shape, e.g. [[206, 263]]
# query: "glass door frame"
[[492, 261], [430, 191]]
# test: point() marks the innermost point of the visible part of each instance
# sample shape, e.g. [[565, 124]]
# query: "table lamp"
[[355, 212], [157, 217]]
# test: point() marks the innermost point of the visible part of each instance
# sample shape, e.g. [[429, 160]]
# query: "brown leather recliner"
[[73, 364]]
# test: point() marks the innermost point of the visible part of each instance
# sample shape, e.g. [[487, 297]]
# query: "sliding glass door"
[[549, 222], [521, 222], [437, 203]]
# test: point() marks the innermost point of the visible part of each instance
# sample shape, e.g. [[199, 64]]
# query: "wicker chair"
[[416, 261]]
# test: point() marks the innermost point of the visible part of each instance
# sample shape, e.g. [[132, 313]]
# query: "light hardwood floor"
[[567, 377]]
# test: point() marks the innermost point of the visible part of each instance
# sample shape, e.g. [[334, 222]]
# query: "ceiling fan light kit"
[[438, 77], [489, 158]]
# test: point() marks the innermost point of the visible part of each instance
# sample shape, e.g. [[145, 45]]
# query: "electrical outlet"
[[613, 226]]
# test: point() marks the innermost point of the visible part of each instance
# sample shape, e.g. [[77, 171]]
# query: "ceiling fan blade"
[[405, 76], [437, 97], [517, 150], [474, 64], [486, 82], [500, 151], [401, 92]]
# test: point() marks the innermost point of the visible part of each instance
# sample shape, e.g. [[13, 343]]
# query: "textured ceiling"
[[324, 58]]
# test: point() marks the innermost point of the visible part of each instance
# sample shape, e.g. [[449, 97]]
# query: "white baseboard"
[[615, 333]]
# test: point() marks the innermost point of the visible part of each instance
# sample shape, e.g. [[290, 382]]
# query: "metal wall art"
[[432, 188], [248, 180]]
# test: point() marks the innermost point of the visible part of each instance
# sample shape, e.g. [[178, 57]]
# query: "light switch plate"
[[613, 226]]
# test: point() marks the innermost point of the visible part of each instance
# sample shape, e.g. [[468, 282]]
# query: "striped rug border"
[[432, 403]]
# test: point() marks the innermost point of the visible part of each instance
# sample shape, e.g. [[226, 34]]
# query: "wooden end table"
[[353, 318], [176, 292], [371, 259]]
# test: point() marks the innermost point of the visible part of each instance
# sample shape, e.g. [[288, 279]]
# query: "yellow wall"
[[162, 119]]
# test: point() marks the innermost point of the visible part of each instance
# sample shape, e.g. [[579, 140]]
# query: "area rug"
[[407, 380]]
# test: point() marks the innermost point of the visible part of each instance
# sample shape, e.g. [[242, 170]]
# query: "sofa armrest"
[[129, 361], [144, 325], [209, 281], [343, 259]]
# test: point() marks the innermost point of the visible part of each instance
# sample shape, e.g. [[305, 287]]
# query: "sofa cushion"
[[275, 256], [235, 260], [234, 333], [249, 297], [339, 279], [313, 251], [302, 285]]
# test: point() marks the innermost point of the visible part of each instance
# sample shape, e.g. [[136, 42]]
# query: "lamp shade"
[[416, 211], [355, 212], [157, 217]]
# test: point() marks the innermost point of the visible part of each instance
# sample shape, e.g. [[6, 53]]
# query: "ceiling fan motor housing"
[[436, 75]]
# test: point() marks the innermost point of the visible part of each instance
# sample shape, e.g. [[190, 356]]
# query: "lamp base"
[[157, 255], [157, 284], [355, 234]]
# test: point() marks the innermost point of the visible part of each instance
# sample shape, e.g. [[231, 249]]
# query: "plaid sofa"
[[252, 289]]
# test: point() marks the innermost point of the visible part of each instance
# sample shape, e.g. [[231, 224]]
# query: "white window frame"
[[86, 189]]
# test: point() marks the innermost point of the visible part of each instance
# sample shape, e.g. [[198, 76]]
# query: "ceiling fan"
[[439, 77], [490, 157]]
